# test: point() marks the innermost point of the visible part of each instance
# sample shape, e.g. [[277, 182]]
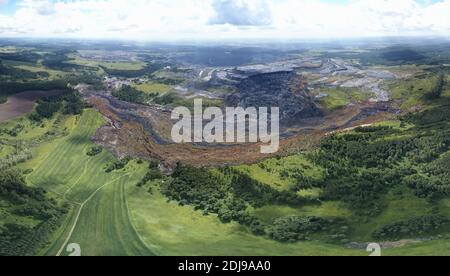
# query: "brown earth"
[[125, 137], [22, 103]]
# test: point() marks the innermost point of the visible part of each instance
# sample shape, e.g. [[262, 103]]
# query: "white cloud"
[[241, 13], [213, 19]]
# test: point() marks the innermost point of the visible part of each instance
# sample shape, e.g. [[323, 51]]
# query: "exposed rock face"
[[285, 90]]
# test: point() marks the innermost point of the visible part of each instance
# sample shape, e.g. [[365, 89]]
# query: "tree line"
[[20, 238], [70, 104]]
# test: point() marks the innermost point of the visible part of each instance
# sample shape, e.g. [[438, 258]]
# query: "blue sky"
[[215, 19], [8, 7]]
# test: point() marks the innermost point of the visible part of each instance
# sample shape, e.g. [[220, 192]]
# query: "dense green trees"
[[23, 56], [118, 164], [73, 104], [360, 168], [258, 194], [211, 193], [434, 181], [197, 187], [14, 131], [19, 238], [96, 150], [10, 88], [59, 60], [17, 74], [131, 95], [153, 173], [70, 104], [294, 229], [85, 77], [364, 165], [438, 88], [45, 110], [413, 228], [228, 193], [429, 118]]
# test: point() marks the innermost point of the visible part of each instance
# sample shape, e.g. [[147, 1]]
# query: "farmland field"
[[22, 103], [36, 68], [114, 65], [171, 230], [153, 88], [67, 172]]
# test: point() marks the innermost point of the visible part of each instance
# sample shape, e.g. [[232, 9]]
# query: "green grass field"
[[169, 229], [104, 227], [63, 168], [31, 130], [398, 209], [35, 68], [439, 247], [153, 88], [113, 65], [326, 209], [413, 90], [280, 173], [340, 97]]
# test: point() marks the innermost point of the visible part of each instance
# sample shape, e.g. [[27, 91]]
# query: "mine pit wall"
[[285, 90]]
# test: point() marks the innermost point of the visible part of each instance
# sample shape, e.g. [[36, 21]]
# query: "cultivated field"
[[22, 103], [99, 219]]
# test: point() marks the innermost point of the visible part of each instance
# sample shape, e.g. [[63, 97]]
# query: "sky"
[[154, 20]]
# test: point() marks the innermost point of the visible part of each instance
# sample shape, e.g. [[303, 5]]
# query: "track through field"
[[99, 220]]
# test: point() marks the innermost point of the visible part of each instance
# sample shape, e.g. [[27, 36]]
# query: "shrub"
[[118, 164], [414, 228], [95, 151]]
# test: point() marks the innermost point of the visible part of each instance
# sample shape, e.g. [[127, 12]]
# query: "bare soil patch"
[[22, 103], [143, 131]]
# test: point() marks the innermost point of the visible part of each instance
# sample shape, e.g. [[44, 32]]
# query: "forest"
[[21, 201], [70, 104]]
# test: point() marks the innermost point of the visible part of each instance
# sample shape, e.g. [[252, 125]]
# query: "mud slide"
[[127, 136]]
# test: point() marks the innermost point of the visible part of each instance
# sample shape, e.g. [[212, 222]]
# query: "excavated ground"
[[144, 132]]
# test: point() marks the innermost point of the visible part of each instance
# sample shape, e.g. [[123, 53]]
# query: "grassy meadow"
[[62, 167], [110, 215]]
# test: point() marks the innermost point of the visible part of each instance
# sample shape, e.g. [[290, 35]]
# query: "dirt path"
[[80, 209], [22, 103]]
